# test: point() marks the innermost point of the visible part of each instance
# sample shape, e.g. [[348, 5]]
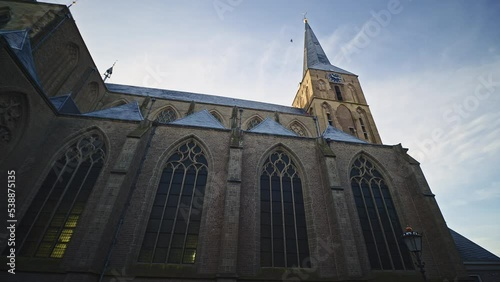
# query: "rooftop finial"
[[72, 3], [305, 19], [109, 72]]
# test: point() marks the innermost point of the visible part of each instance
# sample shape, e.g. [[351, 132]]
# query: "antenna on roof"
[[305, 19], [109, 72], [72, 3]]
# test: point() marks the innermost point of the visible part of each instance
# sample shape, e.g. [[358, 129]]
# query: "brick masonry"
[[110, 232]]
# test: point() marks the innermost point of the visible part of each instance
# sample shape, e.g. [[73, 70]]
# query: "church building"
[[126, 183]]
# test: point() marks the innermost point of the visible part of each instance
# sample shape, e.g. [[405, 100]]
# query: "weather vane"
[[305, 18], [72, 3], [109, 72]]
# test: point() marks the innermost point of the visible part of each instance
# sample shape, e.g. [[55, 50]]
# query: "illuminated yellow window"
[[66, 235], [72, 220], [58, 251], [53, 215]]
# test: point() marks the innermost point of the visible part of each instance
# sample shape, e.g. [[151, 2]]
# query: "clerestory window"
[[166, 116], [253, 123]]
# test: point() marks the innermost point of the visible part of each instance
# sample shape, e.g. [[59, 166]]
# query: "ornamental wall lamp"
[[413, 241]]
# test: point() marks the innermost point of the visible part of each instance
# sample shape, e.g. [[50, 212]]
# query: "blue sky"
[[430, 71]]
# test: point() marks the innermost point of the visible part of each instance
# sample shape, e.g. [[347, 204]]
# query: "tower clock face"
[[334, 77]]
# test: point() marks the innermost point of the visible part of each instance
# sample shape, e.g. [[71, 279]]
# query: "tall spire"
[[314, 56]]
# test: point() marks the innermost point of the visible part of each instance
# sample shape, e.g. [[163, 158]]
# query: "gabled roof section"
[[314, 56], [269, 126], [200, 119], [332, 133], [19, 42], [472, 252], [65, 104], [201, 98], [128, 111]]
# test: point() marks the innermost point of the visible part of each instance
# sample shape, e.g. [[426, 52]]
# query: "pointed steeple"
[[314, 56]]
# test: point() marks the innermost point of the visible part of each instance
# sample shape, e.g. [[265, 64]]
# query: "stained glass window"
[[283, 231], [52, 217], [173, 228], [379, 220]]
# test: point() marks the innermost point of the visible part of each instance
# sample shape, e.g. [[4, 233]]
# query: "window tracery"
[[166, 116], [253, 123], [298, 129], [52, 217], [173, 228], [283, 229], [378, 217]]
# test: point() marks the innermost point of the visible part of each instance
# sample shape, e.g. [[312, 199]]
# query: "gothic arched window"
[[363, 129], [298, 129], [217, 116], [53, 215], [338, 93], [253, 123], [174, 223], [166, 116], [327, 109], [378, 218], [283, 231]]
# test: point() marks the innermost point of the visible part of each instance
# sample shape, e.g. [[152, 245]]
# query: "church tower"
[[332, 94]]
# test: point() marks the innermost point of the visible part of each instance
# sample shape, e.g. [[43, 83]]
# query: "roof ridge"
[[201, 98]]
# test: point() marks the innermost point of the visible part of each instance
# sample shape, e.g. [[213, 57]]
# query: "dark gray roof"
[[65, 104], [472, 252], [201, 98], [19, 43], [269, 126], [332, 133], [314, 56], [200, 119], [128, 111]]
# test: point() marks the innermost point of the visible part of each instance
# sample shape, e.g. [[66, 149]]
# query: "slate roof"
[[65, 104], [315, 57], [472, 252], [201, 98], [200, 119], [332, 133], [128, 111], [269, 126], [19, 43]]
